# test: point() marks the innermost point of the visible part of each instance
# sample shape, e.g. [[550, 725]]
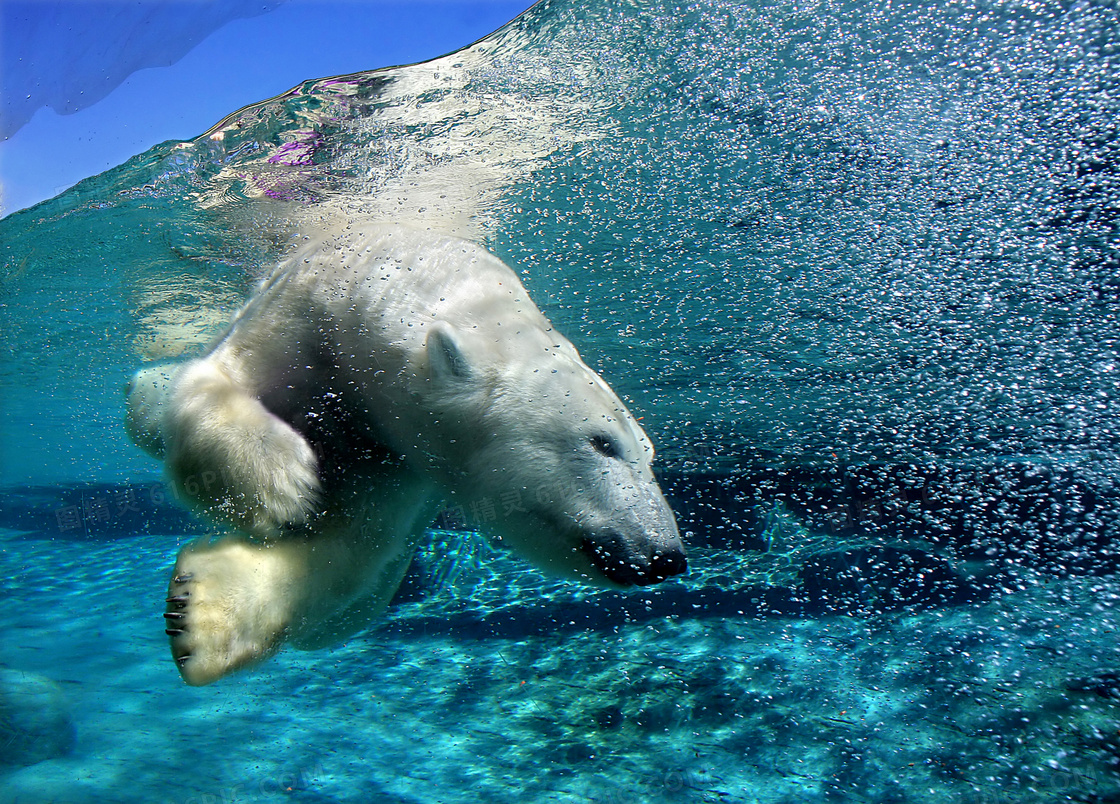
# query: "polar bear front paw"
[[229, 604], [234, 460], [272, 479]]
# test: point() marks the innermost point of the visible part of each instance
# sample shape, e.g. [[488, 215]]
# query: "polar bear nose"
[[614, 556], [667, 564]]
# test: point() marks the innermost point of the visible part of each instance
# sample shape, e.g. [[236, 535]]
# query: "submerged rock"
[[35, 721]]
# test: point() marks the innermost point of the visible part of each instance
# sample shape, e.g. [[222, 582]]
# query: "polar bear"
[[378, 373]]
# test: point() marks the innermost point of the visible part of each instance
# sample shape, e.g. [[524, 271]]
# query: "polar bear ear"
[[445, 358]]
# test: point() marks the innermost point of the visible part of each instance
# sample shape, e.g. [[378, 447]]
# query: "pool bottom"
[[1005, 700]]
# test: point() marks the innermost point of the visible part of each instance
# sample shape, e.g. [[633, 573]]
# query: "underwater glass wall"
[[854, 268]]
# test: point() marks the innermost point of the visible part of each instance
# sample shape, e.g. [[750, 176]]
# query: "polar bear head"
[[549, 459]]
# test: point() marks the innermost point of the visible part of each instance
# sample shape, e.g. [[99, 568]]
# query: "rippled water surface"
[[858, 268]]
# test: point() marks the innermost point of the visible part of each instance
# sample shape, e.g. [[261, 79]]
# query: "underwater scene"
[[854, 269]]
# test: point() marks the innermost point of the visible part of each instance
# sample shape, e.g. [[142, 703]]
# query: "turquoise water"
[[856, 267]]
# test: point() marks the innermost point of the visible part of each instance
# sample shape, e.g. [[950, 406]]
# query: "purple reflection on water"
[[300, 151]]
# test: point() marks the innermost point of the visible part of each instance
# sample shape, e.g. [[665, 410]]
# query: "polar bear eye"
[[605, 446]]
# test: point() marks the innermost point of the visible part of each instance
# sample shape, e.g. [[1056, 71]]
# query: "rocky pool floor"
[[488, 683]]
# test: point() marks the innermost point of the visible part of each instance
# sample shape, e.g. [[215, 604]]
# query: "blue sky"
[[107, 64]]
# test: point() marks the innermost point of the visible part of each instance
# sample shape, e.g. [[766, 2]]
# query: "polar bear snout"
[[628, 532], [624, 562]]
